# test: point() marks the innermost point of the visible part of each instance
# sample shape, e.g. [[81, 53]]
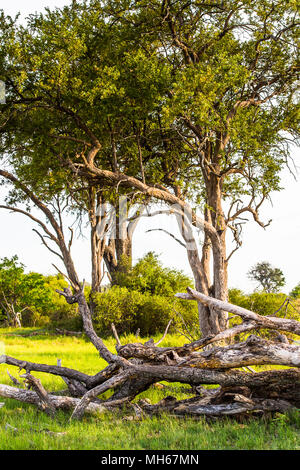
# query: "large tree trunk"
[[211, 319], [215, 216], [118, 252], [97, 239]]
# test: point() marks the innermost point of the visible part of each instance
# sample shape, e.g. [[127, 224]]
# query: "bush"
[[33, 296], [131, 309], [144, 298], [23, 295], [148, 275], [265, 303], [295, 293], [58, 314]]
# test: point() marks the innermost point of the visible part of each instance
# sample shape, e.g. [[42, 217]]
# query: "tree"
[[270, 278], [21, 292], [295, 293], [193, 105], [90, 81], [117, 113], [231, 96], [148, 275], [231, 102]]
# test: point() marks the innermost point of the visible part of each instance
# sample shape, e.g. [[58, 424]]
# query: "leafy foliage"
[[265, 303], [295, 292], [270, 278], [93, 71], [149, 276], [144, 298], [21, 294], [131, 310], [32, 296]]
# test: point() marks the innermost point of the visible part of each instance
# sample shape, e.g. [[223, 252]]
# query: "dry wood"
[[67, 332], [136, 366], [283, 384], [13, 379], [238, 405], [27, 335], [165, 333], [45, 401], [89, 380], [279, 383], [231, 409], [254, 351], [270, 322], [59, 402], [153, 353], [50, 369], [79, 298], [75, 388], [88, 397], [115, 333]]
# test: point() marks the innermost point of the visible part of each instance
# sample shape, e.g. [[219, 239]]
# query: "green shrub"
[[148, 275], [295, 293], [144, 298], [22, 294], [59, 314], [33, 296], [265, 303], [131, 309]]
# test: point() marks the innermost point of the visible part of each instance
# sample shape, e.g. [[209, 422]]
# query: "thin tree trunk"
[[217, 219], [118, 257]]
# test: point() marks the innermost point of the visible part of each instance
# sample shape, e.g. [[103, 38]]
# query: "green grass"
[[114, 431]]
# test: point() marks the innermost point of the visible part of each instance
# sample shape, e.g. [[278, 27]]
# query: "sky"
[[278, 244]]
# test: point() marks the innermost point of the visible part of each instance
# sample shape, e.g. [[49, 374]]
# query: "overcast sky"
[[279, 243]]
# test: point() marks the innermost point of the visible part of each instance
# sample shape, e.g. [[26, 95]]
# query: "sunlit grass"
[[112, 431]]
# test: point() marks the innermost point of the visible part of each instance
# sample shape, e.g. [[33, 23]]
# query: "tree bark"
[[58, 402], [270, 322]]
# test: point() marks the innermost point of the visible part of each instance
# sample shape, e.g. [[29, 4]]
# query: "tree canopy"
[[268, 277]]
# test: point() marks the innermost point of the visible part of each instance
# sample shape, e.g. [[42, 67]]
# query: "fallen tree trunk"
[[239, 355], [254, 351], [272, 382], [270, 322], [238, 404], [67, 332], [137, 366], [58, 402], [90, 380]]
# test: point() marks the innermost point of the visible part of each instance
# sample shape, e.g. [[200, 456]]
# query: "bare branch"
[[63, 274], [165, 333], [38, 221], [270, 322], [115, 333], [168, 233], [46, 245]]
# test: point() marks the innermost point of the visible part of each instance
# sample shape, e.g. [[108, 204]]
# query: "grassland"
[[24, 427]]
